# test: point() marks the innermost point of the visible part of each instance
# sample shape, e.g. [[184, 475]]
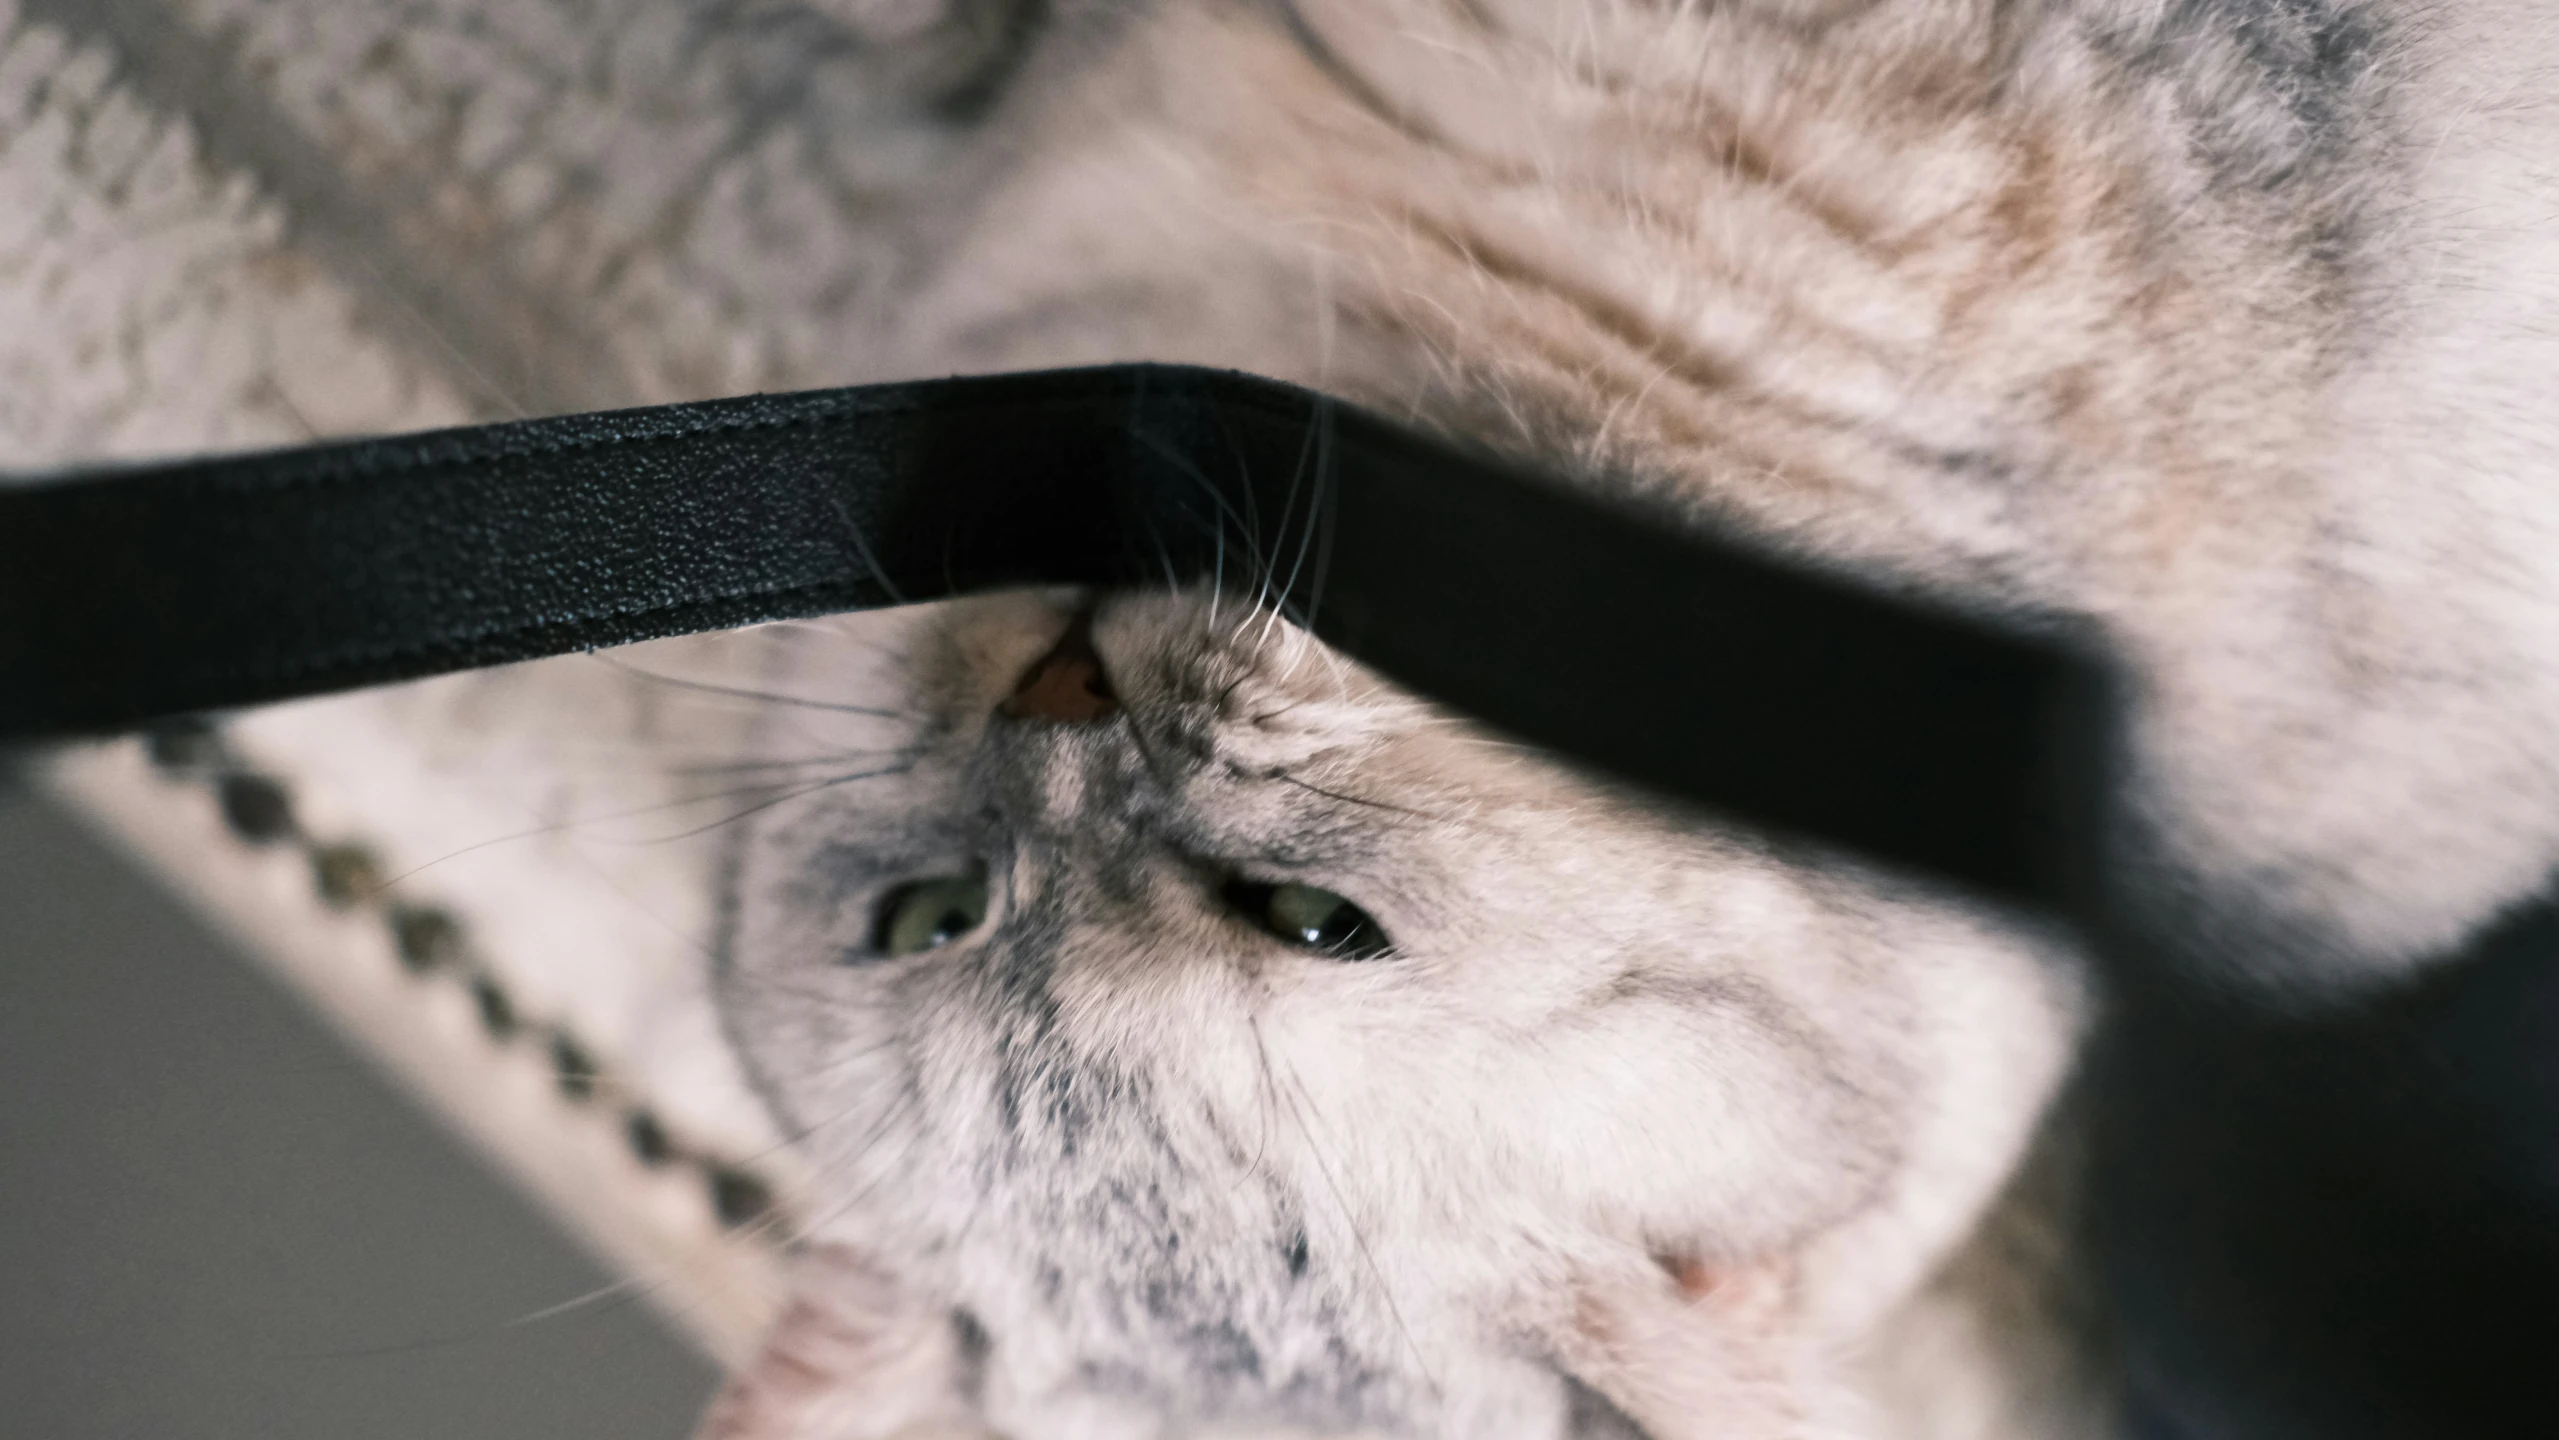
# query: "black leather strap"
[[1784, 697]]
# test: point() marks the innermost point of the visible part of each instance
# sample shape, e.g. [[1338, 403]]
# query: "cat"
[[1200, 1036], [1192, 1034]]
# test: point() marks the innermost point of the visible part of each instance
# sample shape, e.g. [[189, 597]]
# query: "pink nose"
[[1066, 686]]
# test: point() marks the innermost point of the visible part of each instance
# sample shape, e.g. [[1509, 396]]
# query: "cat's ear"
[[849, 1359], [1689, 1350]]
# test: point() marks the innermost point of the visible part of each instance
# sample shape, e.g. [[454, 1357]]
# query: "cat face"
[[1214, 1034]]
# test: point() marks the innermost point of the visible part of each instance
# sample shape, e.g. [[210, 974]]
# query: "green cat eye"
[[1310, 918], [929, 914]]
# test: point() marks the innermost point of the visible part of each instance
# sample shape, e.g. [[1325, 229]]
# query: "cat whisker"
[[1274, 605], [862, 548], [849, 1059], [623, 1289], [1225, 514], [559, 826], [1360, 800], [1217, 578], [642, 760], [1269, 1094], [658, 757], [1315, 540], [862, 1154], [838, 627], [1350, 1219], [760, 807], [705, 687], [811, 762], [602, 1300]]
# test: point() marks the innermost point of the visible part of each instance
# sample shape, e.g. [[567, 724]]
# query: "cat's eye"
[[929, 914], [1310, 918]]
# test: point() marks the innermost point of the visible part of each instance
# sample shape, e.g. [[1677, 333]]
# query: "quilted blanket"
[[243, 223]]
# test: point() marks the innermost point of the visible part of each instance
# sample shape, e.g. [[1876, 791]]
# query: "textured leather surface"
[[1709, 673]]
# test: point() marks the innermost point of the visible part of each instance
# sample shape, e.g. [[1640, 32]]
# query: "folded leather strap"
[[1706, 671]]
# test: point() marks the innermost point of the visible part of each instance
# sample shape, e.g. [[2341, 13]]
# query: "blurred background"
[[2341, 1227], [216, 1221]]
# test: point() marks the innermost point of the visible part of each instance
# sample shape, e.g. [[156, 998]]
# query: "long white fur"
[[2087, 314], [2304, 493]]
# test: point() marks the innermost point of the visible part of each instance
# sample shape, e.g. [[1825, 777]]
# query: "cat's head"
[[1206, 1030], [1186, 1025]]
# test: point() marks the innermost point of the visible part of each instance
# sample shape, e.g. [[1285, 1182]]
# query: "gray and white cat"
[[1195, 1035]]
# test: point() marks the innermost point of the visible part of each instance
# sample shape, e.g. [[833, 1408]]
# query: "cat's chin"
[[1998, 1343]]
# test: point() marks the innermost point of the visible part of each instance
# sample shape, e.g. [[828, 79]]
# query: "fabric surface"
[[227, 224]]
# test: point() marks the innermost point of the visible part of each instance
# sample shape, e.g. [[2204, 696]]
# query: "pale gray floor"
[[216, 1222]]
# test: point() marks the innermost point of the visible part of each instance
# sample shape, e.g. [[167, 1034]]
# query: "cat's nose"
[[1067, 686]]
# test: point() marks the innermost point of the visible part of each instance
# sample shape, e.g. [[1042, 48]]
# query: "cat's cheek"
[[1687, 1349], [850, 1358]]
